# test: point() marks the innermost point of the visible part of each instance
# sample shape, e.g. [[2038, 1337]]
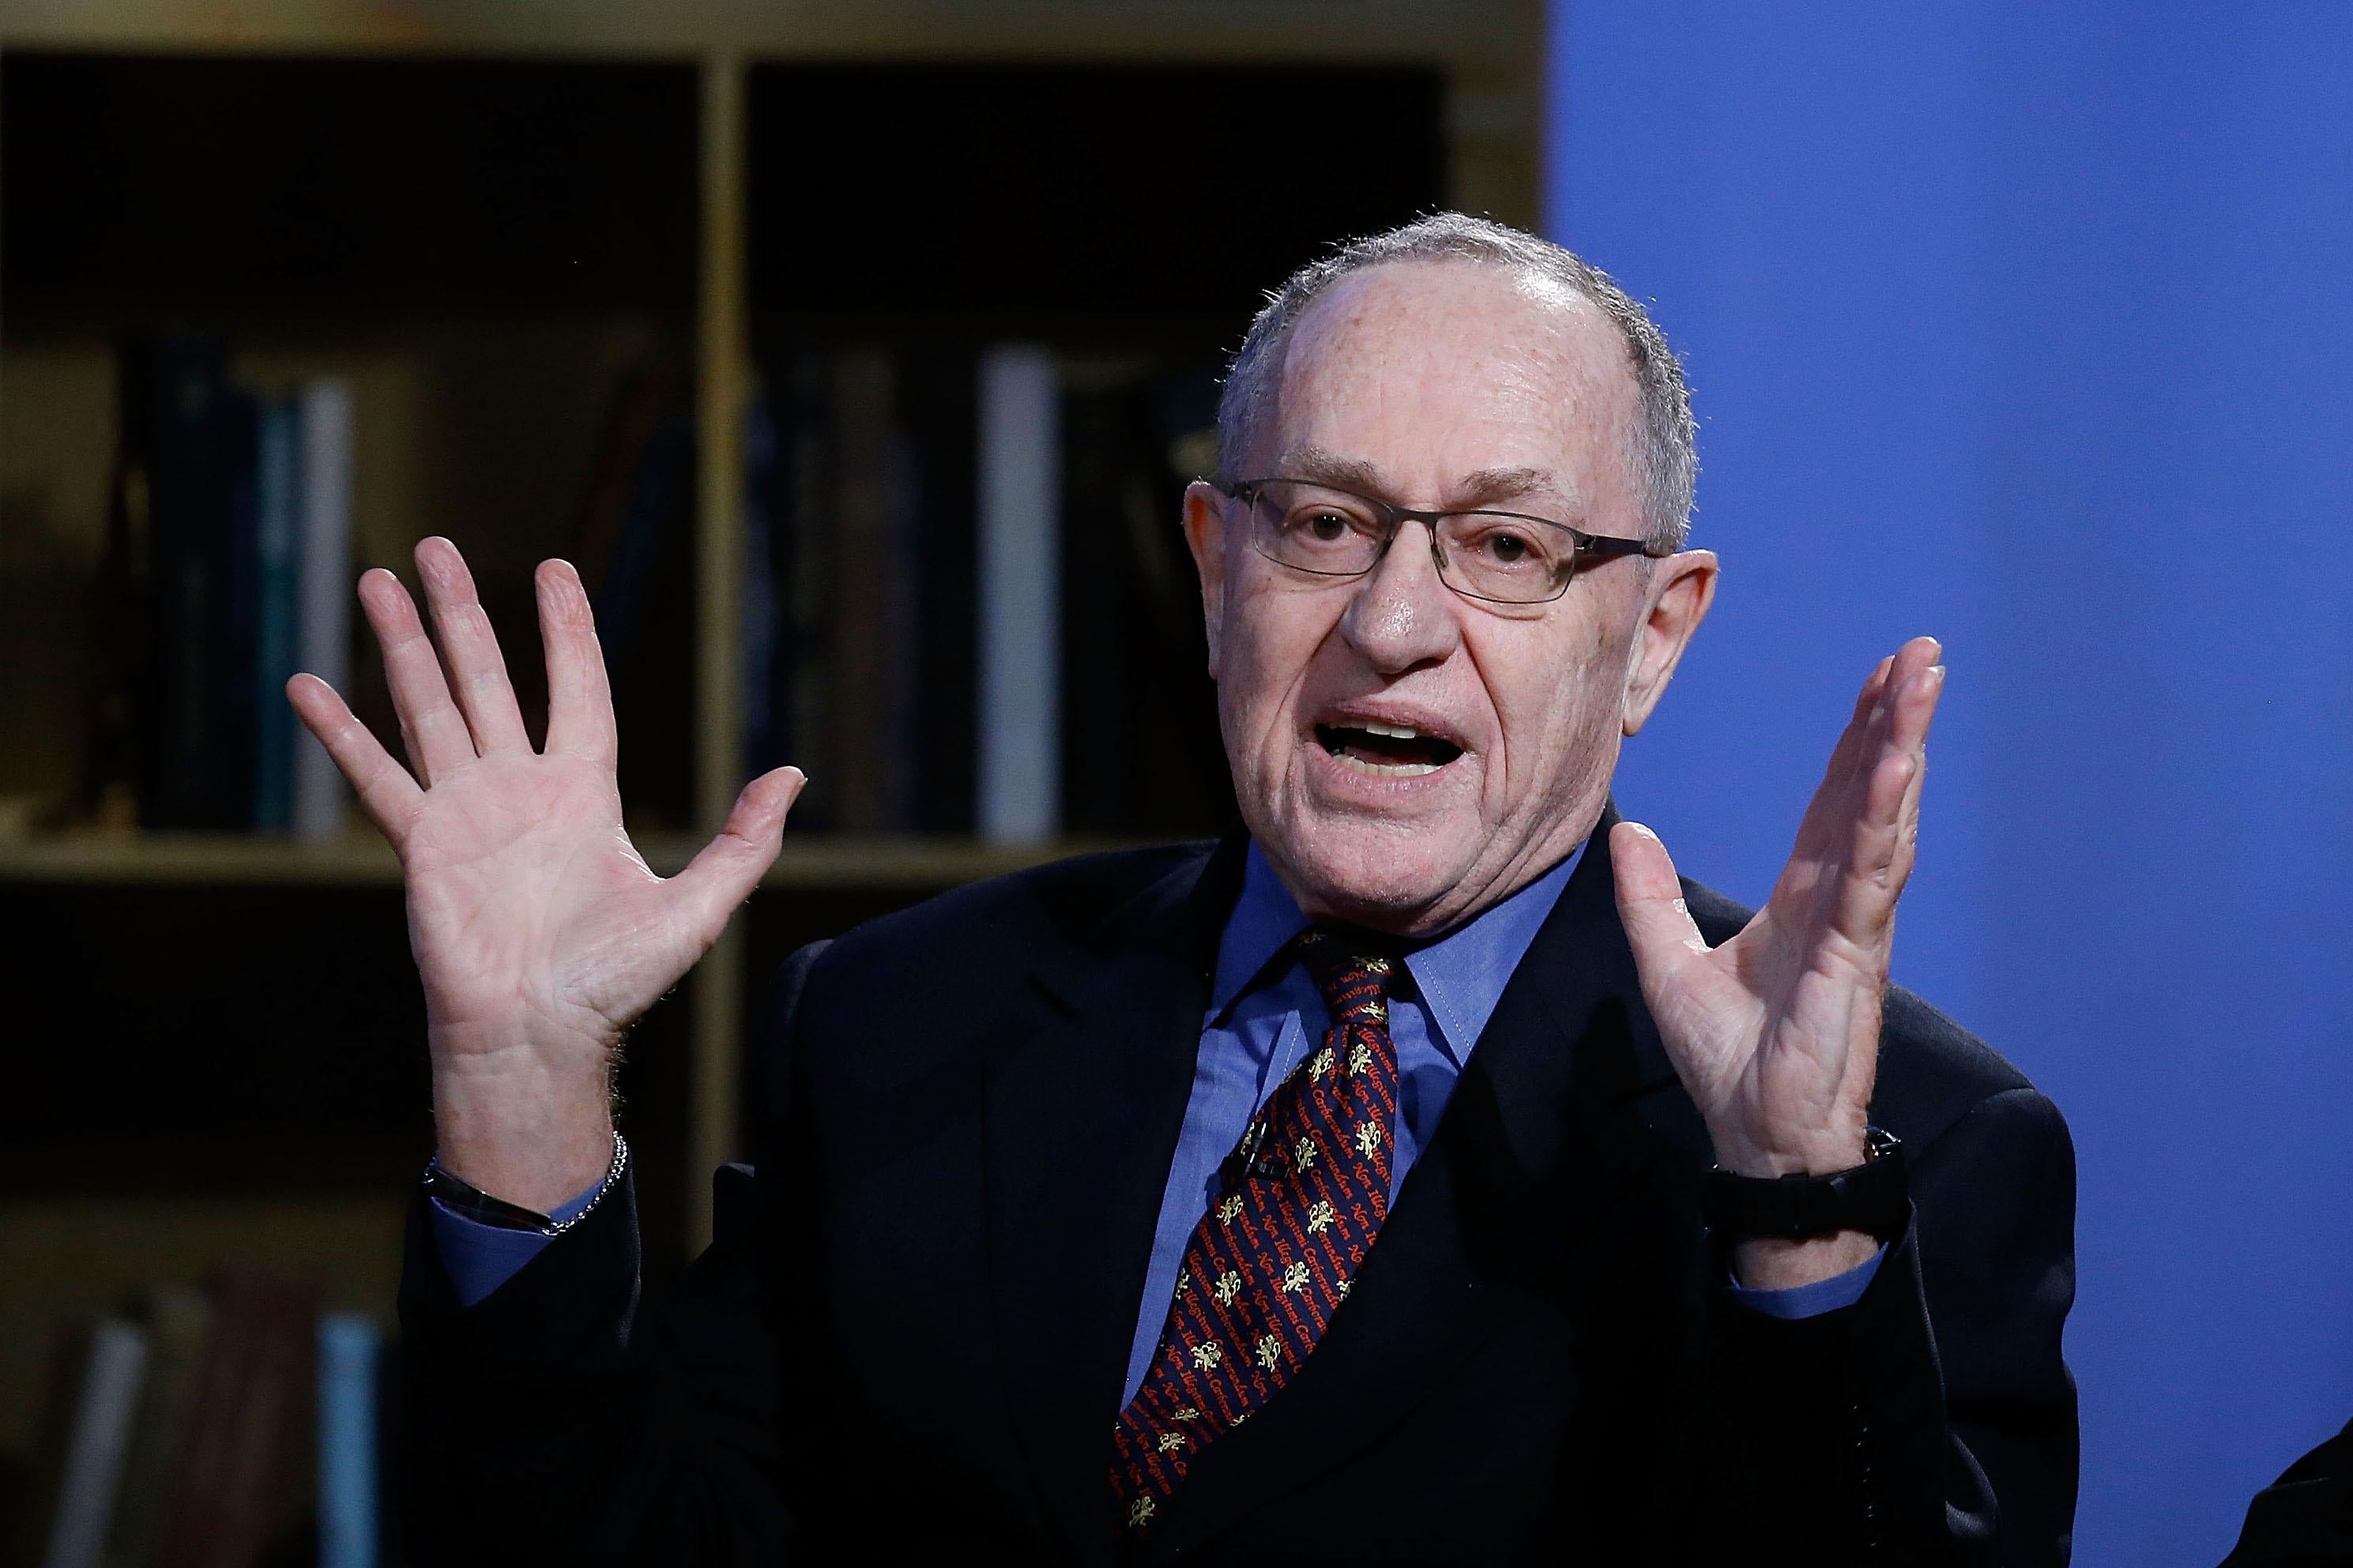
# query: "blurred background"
[[858, 355]]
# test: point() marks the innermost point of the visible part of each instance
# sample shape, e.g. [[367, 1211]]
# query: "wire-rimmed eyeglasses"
[[1503, 557]]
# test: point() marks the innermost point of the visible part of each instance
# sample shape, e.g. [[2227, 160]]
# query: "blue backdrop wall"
[[2032, 326]]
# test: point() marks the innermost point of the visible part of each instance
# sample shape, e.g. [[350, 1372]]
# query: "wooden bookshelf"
[[902, 862], [1491, 51], [73, 1248]]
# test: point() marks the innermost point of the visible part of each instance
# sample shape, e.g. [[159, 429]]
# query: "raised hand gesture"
[[1776, 1033], [539, 931]]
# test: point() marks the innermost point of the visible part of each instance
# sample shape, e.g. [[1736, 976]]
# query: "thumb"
[[1651, 905], [717, 880]]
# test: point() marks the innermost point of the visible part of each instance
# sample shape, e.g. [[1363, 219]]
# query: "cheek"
[[1554, 698], [1271, 637]]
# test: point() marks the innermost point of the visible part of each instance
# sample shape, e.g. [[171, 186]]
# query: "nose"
[[1402, 616]]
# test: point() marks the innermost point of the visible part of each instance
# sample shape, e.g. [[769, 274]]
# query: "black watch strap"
[[1870, 1197], [466, 1201]]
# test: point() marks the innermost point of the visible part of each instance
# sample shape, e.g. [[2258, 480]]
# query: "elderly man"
[[1427, 1177]]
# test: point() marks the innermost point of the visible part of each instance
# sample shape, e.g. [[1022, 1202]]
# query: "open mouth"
[[1390, 750]]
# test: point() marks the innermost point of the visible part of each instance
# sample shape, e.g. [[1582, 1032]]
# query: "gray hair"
[[1666, 461]]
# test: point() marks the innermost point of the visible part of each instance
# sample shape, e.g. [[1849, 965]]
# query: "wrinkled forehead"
[[1434, 370]]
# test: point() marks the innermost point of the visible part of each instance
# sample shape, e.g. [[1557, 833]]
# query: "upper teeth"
[[1394, 731]]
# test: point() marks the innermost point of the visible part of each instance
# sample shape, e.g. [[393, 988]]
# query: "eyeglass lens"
[[1491, 555]]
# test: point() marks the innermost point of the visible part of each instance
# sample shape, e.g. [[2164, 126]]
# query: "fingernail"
[[1643, 829]]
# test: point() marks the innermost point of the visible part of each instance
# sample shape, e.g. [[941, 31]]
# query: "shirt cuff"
[[480, 1257], [1812, 1300]]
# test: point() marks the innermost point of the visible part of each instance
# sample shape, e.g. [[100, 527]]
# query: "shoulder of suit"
[[1010, 919], [1932, 1071], [878, 1010]]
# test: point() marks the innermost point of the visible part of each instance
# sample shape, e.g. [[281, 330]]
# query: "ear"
[[1682, 587], [1205, 535]]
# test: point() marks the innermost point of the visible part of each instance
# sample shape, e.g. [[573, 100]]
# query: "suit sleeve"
[[550, 1422], [1934, 1421], [2305, 1517]]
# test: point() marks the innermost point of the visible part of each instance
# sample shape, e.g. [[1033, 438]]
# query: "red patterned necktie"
[[1302, 1198]]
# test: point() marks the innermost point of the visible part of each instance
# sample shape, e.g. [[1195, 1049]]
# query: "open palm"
[[1776, 1033], [539, 932]]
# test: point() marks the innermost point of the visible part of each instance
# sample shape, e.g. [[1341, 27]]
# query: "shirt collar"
[[1460, 976], [1265, 917]]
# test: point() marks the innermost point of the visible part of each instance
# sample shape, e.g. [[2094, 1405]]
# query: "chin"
[[1382, 874]]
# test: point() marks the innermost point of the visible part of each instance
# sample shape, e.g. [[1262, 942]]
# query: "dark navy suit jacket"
[[908, 1339], [2304, 1519]]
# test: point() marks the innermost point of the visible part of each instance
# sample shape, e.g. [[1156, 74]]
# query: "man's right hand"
[[539, 933]]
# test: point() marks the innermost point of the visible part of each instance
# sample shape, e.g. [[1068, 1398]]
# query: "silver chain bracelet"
[[466, 1201]]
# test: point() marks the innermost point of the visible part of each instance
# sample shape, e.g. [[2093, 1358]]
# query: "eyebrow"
[[1479, 488], [1486, 486]]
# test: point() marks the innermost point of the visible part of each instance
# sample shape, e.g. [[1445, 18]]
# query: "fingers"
[[384, 789], [1895, 759], [431, 728], [471, 648], [579, 698], [1914, 679], [1882, 827], [723, 875], [1650, 904], [1914, 711], [1859, 746]]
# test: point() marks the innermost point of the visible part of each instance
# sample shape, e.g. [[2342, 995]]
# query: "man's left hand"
[[1776, 1033]]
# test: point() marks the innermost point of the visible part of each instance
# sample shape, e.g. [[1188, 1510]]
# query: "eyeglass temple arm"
[[1610, 544]]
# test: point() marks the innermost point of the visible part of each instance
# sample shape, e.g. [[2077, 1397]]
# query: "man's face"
[[1437, 385]]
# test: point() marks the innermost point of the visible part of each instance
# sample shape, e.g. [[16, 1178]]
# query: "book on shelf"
[[277, 608], [970, 607], [229, 567], [178, 489], [1020, 593], [350, 1363], [112, 1363], [236, 1488], [1141, 754], [177, 1319], [321, 576], [875, 520], [634, 547], [226, 1427], [843, 513]]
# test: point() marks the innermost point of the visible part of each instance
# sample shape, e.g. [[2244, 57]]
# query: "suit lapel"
[[1532, 1153], [1082, 1115]]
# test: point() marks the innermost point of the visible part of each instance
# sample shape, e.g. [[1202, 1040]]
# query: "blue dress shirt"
[[1260, 1023]]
